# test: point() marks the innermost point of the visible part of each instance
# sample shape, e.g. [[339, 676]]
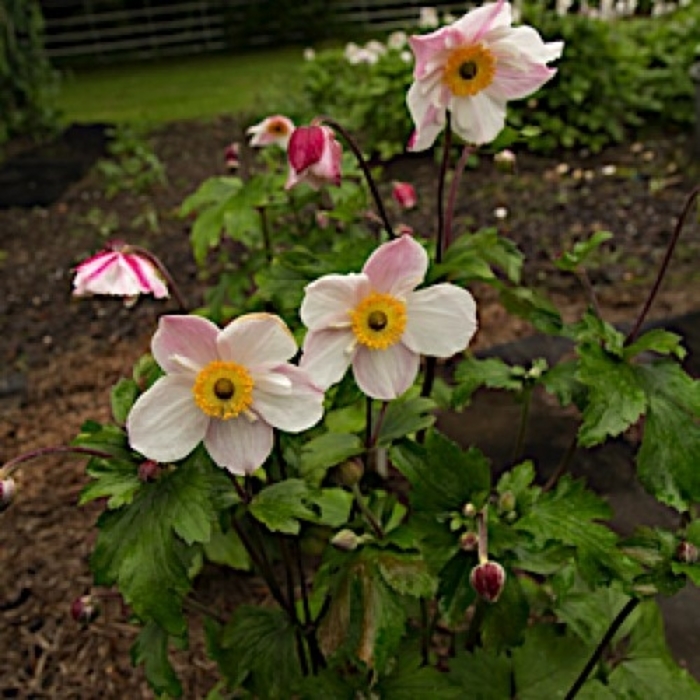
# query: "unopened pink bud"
[[404, 194], [149, 470], [231, 156], [8, 489], [687, 552], [469, 541], [488, 580], [314, 157], [84, 609]]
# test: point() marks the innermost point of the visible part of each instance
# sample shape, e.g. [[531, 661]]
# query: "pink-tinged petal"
[[479, 119], [515, 82], [327, 354], [272, 130], [328, 167], [165, 424], [329, 300], [148, 278], [306, 147], [184, 340], [441, 320], [293, 408], [239, 444], [91, 268], [429, 50], [523, 43], [475, 24], [397, 267], [404, 194], [429, 119], [256, 339], [385, 374]]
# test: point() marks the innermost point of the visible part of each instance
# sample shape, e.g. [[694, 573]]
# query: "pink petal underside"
[[429, 49], [305, 147], [478, 119], [239, 444], [475, 24], [429, 120], [523, 44], [165, 424], [397, 267], [515, 82], [191, 338], [147, 276], [441, 320], [327, 354], [385, 374], [328, 167], [329, 300], [293, 408], [92, 267], [256, 339]]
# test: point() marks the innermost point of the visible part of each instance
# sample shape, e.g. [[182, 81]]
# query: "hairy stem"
[[9, 468], [454, 189], [632, 336], [362, 162], [367, 513], [447, 147], [615, 625]]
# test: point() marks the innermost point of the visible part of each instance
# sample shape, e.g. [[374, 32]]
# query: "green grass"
[[177, 88]]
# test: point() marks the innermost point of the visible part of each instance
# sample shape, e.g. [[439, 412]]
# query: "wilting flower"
[[227, 387], [404, 194], [231, 156], [120, 272], [314, 157], [472, 68], [488, 580], [275, 130], [377, 323]]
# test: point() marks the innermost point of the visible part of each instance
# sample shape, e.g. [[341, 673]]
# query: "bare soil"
[[59, 356]]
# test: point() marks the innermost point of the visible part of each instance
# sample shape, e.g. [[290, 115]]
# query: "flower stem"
[[367, 513], [563, 465], [267, 245], [632, 336], [522, 430], [362, 162], [483, 535], [454, 189], [9, 468], [160, 266], [447, 147], [627, 609], [195, 606]]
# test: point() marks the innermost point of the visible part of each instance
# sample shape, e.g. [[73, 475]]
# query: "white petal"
[[477, 23], [441, 320], [327, 355], [239, 444], [524, 43], [428, 119], [294, 410], [165, 423], [256, 339], [184, 342], [385, 374], [478, 119], [328, 300]]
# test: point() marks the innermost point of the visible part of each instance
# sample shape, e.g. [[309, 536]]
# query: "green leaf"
[[260, 641], [485, 673], [659, 341], [106, 438], [124, 394], [334, 505], [533, 307], [405, 416], [589, 613], [349, 419], [227, 549], [548, 663], [443, 476], [280, 506], [581, 251], [407, 574], [115, 479], [144, 546], [567, 515], [506, 620], [325, 451], [410, 679], [491, 372], [667, 462], [562, 381], [455, 593], [615, 398], [211, 191], [151, 650]]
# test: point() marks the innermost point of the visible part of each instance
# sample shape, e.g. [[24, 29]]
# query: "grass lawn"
[[190, 87]]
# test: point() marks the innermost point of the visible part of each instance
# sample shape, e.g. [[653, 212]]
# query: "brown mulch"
[[59, 357]]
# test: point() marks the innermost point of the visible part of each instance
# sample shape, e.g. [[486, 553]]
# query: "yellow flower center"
[[379, 320], [223, 389], [468, 70]]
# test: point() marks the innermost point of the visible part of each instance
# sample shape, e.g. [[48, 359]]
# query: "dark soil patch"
[[59, 356]]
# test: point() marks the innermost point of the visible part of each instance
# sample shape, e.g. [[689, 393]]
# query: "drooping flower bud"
[[84, 609], [349, 472], [346, 540], [687, 552], [488, 580], [314, 157], [231, 156], [404, 194], [8, 488], [149, 470], [469, 541]]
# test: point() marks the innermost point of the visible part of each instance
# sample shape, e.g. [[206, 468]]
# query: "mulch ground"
[[59, 356]]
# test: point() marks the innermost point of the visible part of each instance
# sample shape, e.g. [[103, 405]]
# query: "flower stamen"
[[379, 321], [223, 390], [469, 70]]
